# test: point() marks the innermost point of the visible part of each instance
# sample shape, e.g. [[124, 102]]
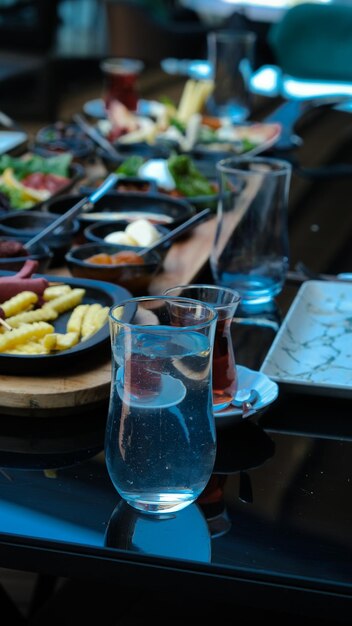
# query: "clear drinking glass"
[[231, 57], [160, 441], [250, 252], [225, 301]]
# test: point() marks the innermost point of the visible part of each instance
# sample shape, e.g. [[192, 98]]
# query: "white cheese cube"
[[120, 237], [143, 232]]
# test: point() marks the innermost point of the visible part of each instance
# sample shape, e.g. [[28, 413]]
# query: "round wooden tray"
[[75, 390], [60, 394]]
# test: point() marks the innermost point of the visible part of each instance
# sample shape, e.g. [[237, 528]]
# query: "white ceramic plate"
[[312, 351], [251, 379], [262, 135]]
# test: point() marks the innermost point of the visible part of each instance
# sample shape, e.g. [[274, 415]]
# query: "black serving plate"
[[98, 345], [156, 207]]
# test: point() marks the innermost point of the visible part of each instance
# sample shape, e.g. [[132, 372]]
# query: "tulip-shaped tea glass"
[[160, 441], [225, 301], [251, 246]]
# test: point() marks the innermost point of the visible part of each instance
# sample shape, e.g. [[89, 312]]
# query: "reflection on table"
[[183, 535]]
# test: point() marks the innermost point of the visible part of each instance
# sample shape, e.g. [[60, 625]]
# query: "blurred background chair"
[[314, 41], [311, 48]]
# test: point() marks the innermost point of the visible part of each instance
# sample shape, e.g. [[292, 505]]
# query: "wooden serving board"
[[74, 391]]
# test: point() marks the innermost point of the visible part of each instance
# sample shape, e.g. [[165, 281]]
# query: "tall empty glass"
[[160, 439], [231, 57], [250, 252]]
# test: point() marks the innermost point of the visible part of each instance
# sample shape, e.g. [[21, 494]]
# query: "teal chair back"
[[314, 41]]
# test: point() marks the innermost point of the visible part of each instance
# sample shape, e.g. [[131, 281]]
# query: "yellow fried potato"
[[31, 347], [101, 317], [55, 291], [28, 317], [23, 334], [89, 320], [60, 341], [67, 301], [20, 302], [74, 323]]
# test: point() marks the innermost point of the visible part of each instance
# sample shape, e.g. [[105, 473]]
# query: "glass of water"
[[250, 252], [160, 441]]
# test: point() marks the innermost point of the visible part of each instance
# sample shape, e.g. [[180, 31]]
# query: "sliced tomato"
[[50, 182]]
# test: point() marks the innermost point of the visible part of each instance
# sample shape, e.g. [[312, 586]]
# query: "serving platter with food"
[[186, 127], [26, 182], [48, 322]]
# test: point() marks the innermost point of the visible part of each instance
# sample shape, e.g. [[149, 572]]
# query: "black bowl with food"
[[26, 225], [138, 233], [13, 254], [116, 264], [157, 208], [125, 151], [62, 137], [179, 176]]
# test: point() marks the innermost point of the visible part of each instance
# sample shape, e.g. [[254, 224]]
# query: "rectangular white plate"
[[312, 351]]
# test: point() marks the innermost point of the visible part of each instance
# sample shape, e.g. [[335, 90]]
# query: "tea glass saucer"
[[266, 388]]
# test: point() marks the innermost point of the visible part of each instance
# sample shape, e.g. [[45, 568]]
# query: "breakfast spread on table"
[[184, 124]]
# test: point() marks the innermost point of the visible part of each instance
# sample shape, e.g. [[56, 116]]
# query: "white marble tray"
[[312, 351]]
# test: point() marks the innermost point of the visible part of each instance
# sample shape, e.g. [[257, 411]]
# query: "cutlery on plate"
[[96, 136], [246, 399], [83, 205]]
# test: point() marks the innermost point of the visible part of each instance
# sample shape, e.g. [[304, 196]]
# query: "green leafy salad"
[[189, 181]]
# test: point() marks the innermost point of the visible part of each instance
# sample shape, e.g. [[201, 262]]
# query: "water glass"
[[225, 302], [120, 76], [250, 252], [160, 441], [231, 57]]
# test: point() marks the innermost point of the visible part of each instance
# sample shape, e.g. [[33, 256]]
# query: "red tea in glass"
[[120, 77], [225, 380], [225, 302]]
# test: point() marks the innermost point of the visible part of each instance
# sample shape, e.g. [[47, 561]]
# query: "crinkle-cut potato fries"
[[33, 334]]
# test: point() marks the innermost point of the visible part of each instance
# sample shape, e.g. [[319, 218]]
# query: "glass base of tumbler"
[[160, 504]]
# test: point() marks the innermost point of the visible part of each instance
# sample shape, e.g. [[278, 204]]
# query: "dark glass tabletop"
[[275, 517]]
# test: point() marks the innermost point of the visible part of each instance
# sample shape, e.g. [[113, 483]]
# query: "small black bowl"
[[26, 225], [124, 151], [62, 137], [157, 208], [39, 252], [97, 232], [135, 278]]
